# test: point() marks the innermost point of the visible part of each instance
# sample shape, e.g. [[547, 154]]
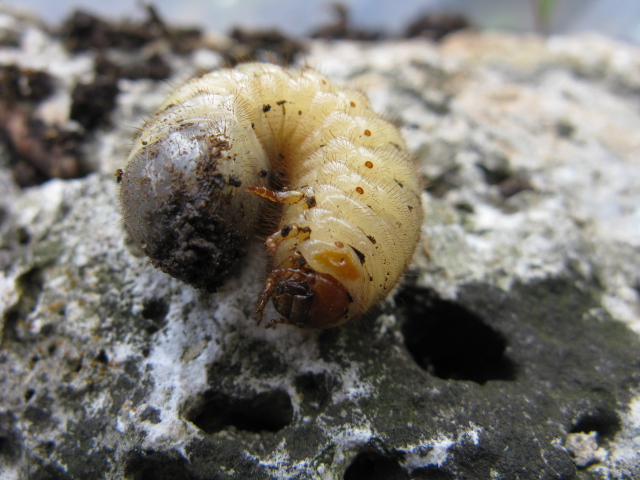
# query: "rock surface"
[[517, 325]]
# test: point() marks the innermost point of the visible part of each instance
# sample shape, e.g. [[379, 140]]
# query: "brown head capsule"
[[305, 298]]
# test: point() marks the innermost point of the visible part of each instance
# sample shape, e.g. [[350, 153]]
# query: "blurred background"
[[616, 18]]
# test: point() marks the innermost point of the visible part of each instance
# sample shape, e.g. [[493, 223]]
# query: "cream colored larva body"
[[350, 196]]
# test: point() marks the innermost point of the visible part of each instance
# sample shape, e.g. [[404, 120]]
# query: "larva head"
[[309, 299], [182, 193]]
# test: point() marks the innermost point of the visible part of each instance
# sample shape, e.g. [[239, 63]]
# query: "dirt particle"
[[92, 103], [235, 181]]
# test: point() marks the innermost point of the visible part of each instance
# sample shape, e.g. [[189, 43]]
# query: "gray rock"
[[517, 325]]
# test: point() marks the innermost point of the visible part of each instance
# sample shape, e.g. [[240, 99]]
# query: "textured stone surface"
[[517, 325]]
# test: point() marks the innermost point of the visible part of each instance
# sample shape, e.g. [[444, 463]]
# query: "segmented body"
[[350, 196]]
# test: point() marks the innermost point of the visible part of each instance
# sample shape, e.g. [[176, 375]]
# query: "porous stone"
[[515, 329]]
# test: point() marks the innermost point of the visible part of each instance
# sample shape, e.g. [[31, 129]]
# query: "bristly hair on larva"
[[194, 187]]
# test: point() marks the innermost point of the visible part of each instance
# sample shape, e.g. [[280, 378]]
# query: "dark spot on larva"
[[286, 230], [368, 164], [311, 201], [410, 208], [281, 156], [184, 124], [395, 145], [144, 142], [217, 147], [360, 190], [217, 180], [353, 104], [367, 133], [370, 278], [371, 239], [322, 146], [253, 125], [299, 112], [399, 184], [359, 254], [281, 102], [263, 173], [118, 174], [299, 261], [305, 230], [339, 244], [235, 181], [266, 108]]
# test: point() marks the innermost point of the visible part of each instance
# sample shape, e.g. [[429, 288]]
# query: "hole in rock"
[[565, 129], [509, 183], [23, 236], [47, 447], [494, 176], [266, 411], [315, 388], [439, 186], [600, 420], [155, 310], [28, 395], [10, 442], [156, 466], [451, 342], [102, 357], [375, 466], [30, 286], [431, 473], [6, 447]]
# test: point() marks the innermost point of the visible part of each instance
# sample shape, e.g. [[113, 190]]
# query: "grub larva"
[[221, 144]]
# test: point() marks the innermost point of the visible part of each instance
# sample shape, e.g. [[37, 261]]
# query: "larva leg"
[[265, 295], [288, 231], [283, 196], [275, 321], [286, 196]]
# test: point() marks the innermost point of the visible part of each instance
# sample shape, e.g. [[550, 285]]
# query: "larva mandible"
[[222, 143]]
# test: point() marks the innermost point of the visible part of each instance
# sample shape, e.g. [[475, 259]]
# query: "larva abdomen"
[[350, 198]]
